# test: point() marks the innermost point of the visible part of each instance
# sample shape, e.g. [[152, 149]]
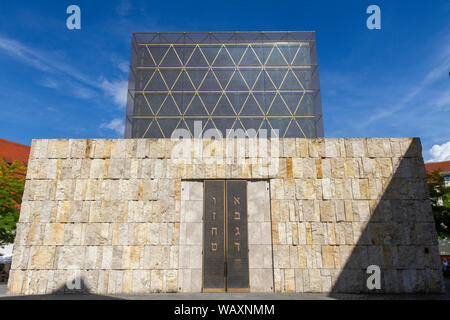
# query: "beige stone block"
[[93, 257], [302, 148], [195, 257], [308, 232], [196, 280], [15, 283], [281, 233], [305, 189], [141, 281], [256, 280], [58, 148], [192, 211], [254, 233], [327, 257], [20, 257], [194, 232], [283, 256], [98, 168], [54, 234], [157, 281], [327, 211], [256, 256], [98, 234], [171, 281], [364, 188], [318, 233], [289, 280], [39, 148], [277, 280], [64, 190], [315, 280], [70, 257], [196, 191], [42, 257], [361, 210], [35, 236], [316, 148]]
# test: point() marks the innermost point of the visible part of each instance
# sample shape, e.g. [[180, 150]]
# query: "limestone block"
[[54, 234], [196, 191], [256, 280], [42, 257], [194, 232], [326, 189], [93, 257], [58, 148], [316, 148], [70, 257], [277, 279], [192, 211], [315, 280], [195, 257], [149, 189], [39, 148], [289, 280], [98, 234], [327, 211], [302, 148], [119, 169], [305, 189], [256, 256], [254, 233], [310, 209], [21, 257], [141, 281], [35, 234], [318, 232], [77, 148], [361, 210]]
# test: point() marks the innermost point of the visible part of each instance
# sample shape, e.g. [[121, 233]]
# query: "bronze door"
[[225, 247]]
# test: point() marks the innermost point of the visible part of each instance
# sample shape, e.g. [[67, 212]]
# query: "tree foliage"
[[12, 183], [440, 203]]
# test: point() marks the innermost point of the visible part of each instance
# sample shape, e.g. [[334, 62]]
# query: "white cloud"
[[440, 152], [124, 66], [117, 125], [49, 83], [117, 90], [79, 84]]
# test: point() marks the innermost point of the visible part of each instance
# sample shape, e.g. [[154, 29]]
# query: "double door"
[[225, 246]]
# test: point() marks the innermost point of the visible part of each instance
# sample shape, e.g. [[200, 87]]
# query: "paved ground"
[[232, 296]]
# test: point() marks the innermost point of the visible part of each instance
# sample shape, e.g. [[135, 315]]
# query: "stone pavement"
[[233, 296]]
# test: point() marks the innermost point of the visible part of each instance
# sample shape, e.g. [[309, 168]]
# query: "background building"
[[10, 151], [239, 80], [444, 167]]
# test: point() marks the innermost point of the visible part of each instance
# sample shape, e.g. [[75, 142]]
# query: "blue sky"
[[393, 82]]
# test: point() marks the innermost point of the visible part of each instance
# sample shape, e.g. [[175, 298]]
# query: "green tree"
[[12, 183], [440, 203]]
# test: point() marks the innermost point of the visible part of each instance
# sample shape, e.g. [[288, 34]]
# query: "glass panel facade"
[[241, 80]]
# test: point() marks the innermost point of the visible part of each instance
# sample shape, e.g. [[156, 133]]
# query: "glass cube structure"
[[224, 80]]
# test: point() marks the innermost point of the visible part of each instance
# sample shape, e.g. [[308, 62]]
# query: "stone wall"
[[121, 215]]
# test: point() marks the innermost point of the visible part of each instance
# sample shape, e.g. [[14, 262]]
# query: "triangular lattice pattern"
[[232, 85]]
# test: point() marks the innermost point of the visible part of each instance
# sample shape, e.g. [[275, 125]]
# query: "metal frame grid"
[[239, 80]]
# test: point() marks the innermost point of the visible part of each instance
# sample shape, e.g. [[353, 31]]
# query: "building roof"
[[441, 166], [10, 151]]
